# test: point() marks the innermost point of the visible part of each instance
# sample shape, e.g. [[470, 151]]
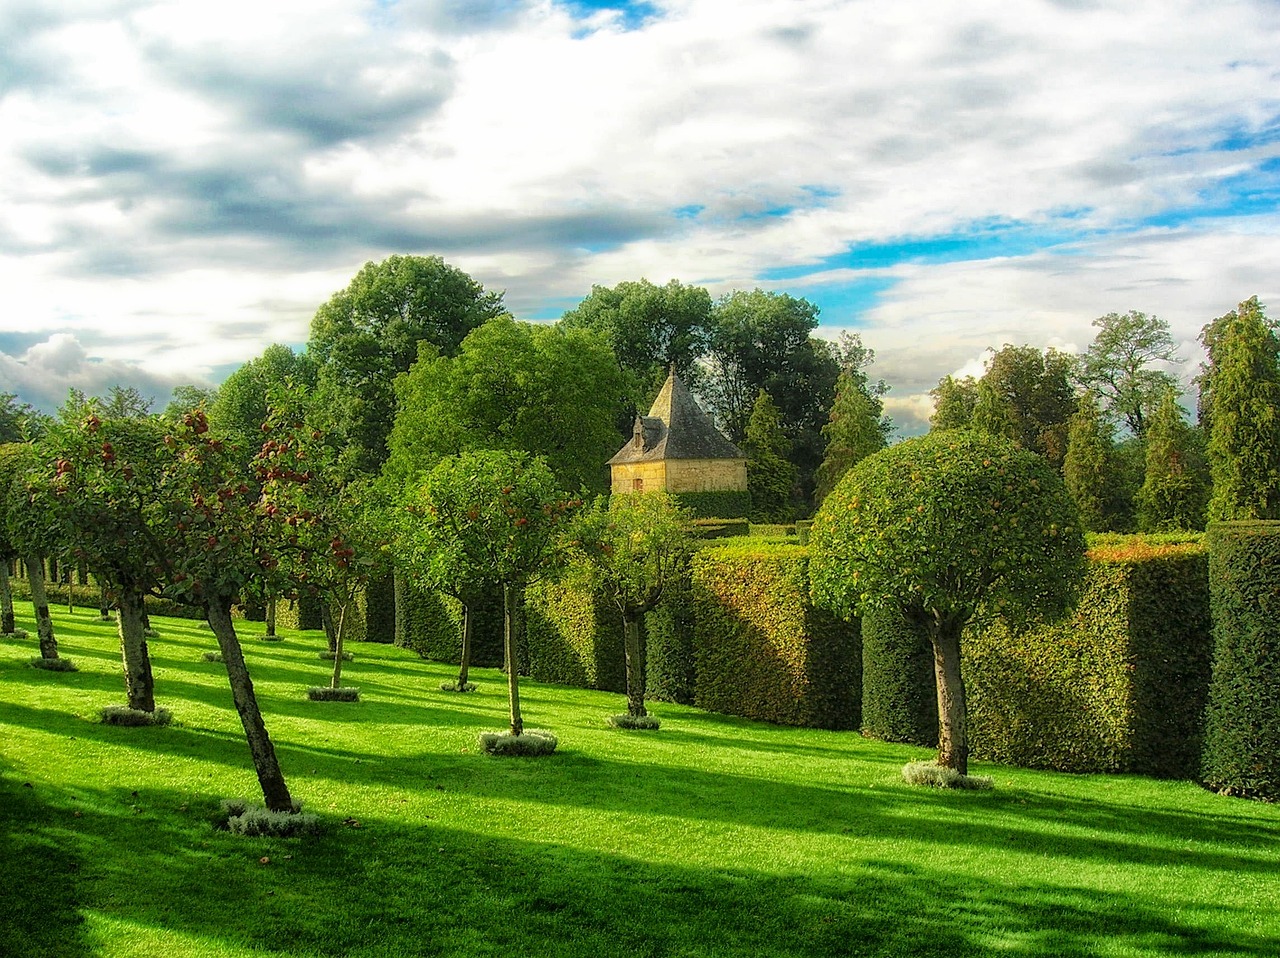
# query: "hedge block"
[[899, 686], [430, 623], [574, 637]]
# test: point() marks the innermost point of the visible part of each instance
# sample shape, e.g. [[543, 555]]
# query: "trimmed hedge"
[[670, 660], [430, 623], [300, 613], [574, 637], [1242, 734], [761, 650], [1118, 687], [899, 687], [727, 504], [720, 528]]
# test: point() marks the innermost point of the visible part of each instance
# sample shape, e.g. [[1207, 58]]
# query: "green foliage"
[[371, 331], [575, 635], [954, 401], [720, 528], [242, 818], [1175, 490], [641, 723], [899, 689], [429, 622], [1119, 686], [16, 418], [1086, 468], [242, 403], [761, 649], [547, 391], [771, 477], [857, 428], [953, 522], [1242, 731], [123, 715], [939, 776], [650, 328], [1242, 394], [1026, 395], [725, 504], [531, 743], [1117, 366], [325, 693], [671, 661]]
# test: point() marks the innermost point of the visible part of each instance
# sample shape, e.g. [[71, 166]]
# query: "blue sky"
[[184, 184]]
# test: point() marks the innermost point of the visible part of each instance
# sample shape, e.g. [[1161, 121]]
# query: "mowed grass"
[[714, 836]]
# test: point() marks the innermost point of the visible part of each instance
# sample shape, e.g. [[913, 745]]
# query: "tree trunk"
[[274, 790], [71, 595], [465, 667], [326, 620], [271, 617], [104, 603], [7, 623], [634, 643], [509, 591], [953, 738], [139, 686], [40, 600], [337, 647]]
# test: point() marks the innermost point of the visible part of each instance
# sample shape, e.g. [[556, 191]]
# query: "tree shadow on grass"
[[395, 887]]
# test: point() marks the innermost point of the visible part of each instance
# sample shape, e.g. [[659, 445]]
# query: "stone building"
[[677, 448]]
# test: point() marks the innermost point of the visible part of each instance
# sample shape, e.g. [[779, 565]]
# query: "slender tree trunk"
[[7, 623], [953, 738], [271, 616], [513, 665], [104, 603], [465, 666], [40, 600], [71, 596], [634, 642], [326, 620], [337, 646], [274, 790], [146, 622], [139, 686]]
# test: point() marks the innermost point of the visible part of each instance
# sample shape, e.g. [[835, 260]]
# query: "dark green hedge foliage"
[[721, 528], [378, 602], [670, 657], [300, 613], [724, 505], [1119, 686], [761, 650], [899, 689], [1242, 734], [573, 637], [430, 623]]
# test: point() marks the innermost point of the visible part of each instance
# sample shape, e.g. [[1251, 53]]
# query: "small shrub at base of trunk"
[[123, 715], [104, 618], [322, 693], [938, 776], [241, 818], [150, 634], [271, 638], [637, 722], [533, 741], [54, 665], [455, 687], [211, 657], [326, 654], [14, 635]]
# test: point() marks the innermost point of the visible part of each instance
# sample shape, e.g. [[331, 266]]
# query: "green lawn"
[[714, 836]]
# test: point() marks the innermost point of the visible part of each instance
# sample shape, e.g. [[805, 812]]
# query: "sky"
[[183, 184]]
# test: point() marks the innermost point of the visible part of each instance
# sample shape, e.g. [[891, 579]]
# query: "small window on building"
[[637, 485]]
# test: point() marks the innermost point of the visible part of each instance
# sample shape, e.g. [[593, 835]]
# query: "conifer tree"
[[771, 476], [1087, 466], [857, 429], [1243, 380], [1176, 489]]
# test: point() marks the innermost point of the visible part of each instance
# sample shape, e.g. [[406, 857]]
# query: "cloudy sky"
[[182, 184]]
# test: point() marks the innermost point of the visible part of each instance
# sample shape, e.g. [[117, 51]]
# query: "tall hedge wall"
[[726, 504], [761, 650], [670, 659], [1119, 686], [573, 637], [899, 689], [1242, 735], [430, 623]]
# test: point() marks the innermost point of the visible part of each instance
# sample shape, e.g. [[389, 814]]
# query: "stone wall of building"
[[706, 475]]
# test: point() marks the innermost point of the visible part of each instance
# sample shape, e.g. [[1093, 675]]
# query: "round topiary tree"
[[942, 529]]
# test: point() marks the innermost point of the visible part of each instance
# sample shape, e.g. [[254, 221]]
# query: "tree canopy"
[[771, 477], [1026, 395], [1118, 366]]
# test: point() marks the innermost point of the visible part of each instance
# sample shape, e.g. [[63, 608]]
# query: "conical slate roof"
[[676, 428]]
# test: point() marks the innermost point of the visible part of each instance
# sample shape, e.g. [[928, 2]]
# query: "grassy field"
[[714, 836]]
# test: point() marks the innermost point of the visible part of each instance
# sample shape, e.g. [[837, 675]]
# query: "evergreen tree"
[[771, 477], [1243, 383], [857, 428], [1087, 466], [1176, 488]]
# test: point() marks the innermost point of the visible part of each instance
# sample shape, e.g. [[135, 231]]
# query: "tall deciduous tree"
[[1175, 490], [650, 329], [495, 516], [1118, 366], [953, 403], [33, 530], [763, 340], [1026, 395], [370, 332], [771, 477], [549, 391], [940, 529], [1242, 389], [11, 458], [241, 405], [1087, 467], [635, 547]]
